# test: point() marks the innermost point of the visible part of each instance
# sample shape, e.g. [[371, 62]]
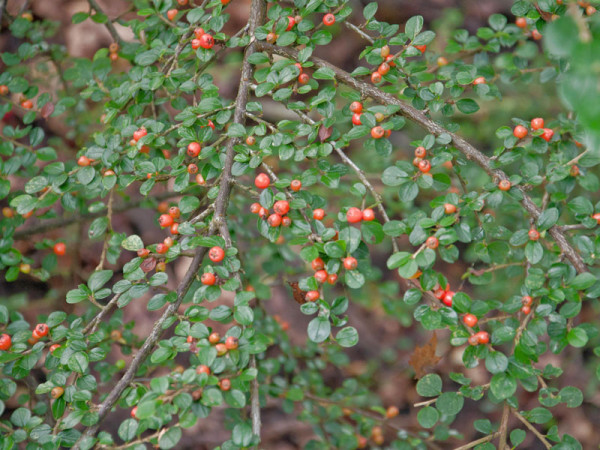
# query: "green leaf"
[[561, 36], [583, 281], [547, 219], [78, 362], [133, 243], [370, 10], [467, 106], [577, 337], [413, 26], [99, 279], [128, 429], [503, 385], [319, 329], [428, 417], [572, 396], [450, 403], [170, 438], [430, 385], [347, 337], [496, 362]]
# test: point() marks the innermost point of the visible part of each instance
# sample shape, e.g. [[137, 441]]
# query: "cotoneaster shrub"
[[306, 177]]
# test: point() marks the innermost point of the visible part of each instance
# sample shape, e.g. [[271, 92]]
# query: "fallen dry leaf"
[[424, 357]]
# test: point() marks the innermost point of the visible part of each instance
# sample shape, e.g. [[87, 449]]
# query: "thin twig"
[[109, 25], [525, 422]]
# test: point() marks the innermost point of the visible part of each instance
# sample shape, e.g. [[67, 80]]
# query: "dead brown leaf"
[[424, 357], [298, 293]]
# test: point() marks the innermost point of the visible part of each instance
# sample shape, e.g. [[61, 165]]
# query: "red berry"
[[281, 207], [526, 309], [420, 152], [296, 185], [377, 132], [208, 278], [171, 14], [231, 342], [250, 140], [161, 248], [286, 221], [41, 329], [318, 214], [3, 89], [356, 119], [432, 242], [291, 23], [216, 254], [533, 234], [60, 248], [479, 80], [504, 185], [299, 66], [27, 104], [199, 32], [312, 296], [143, 252], [536, 35], [547, 134], [207, 41], [214, 338], [424, 166], [262, 181], [328, 19], [165, 220], [596, 217], [356, 107], [5, 342], [193, 149], [354, 215], [225, 384], [321, 276], [421, 48], [449, 208], [473, 339], [54, 347], [317, 264], [383, 68], [375, 78], [526, 300], [83, 161], [521, 22], [350, 263], [470, 320], [174, 212], [303, 78], [263, 213], [448, 297], [195, 44], [483, 337], [200, 179], [368, 215], [439, 293], [255, 208], [221, 349], [537, 123], [332, 278], [274, 220], [520, 132], [203, 369], [192, 169]]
